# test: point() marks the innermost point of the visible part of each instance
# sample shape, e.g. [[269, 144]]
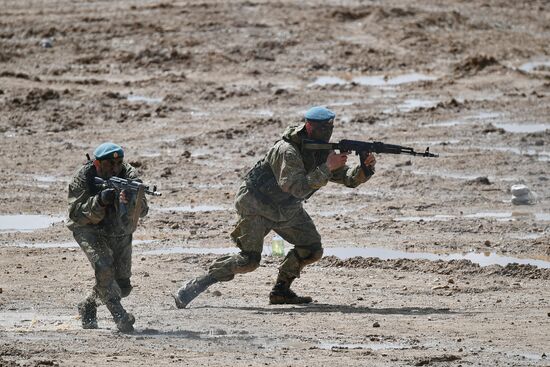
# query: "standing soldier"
[[270, 198], [95, 221]]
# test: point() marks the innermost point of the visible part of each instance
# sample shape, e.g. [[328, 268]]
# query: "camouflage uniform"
[[270, 198], [104, 238]]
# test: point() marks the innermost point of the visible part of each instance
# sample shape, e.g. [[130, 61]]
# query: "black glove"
[[107, 197]]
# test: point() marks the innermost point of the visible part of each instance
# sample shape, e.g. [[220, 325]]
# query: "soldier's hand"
[[335, 161], [124, 198], [107, 197], [370, 161]]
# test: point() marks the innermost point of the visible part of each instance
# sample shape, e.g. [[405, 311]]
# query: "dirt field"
[[196, 92]]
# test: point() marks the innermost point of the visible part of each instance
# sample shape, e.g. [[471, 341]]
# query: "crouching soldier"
[[95, 220], [270, 198]]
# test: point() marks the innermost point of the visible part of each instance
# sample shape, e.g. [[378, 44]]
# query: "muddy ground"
[[196, 92]]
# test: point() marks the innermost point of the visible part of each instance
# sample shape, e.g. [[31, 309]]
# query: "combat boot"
[[88, 314], [192, 289], [282, 294], [123, 320], [125, 323]]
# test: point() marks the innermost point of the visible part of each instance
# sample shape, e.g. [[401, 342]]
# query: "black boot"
[[123, 320], [87, 310], [282, 294], [192, 289]]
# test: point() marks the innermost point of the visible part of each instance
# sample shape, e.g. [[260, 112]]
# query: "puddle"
[[193, 208], [150, 153], [445, 123], [486, 115], [200, 113], [138, 98], [373, 81], [459, 176], [529, 67], [25, 223], [341, 103], [47, 179], [382, 80], [483, 116], [49, 245], [267, 113], [487, 215], [527, 355], [462, 176], [526, 236], [483, 259], [523, 128], [371, 346], [542, 217], [412, 104], [29, 320], [434, 218], [328, 80]]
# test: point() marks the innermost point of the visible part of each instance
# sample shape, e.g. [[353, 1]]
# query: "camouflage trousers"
[[111, 259], [249, 236]]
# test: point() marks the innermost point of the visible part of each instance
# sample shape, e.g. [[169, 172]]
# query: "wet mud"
[[196, 93]]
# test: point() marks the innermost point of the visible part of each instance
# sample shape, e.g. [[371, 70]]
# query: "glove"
[[107, 197]]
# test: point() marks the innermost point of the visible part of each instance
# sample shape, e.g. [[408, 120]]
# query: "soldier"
[[270, 198], [107, 242]]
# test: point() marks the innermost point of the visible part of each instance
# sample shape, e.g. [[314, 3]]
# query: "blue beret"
[[319, 114], [108, 151]]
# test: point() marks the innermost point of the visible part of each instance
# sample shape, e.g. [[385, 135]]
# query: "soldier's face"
[[110, 167], [321, 130]]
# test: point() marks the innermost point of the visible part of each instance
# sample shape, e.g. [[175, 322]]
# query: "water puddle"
[[483, 259], [32, 321], [527, 355], [435, 218], [382, 80], [526, 236], [371, 346], [50, 245], [445, 123], [26, 223], [412, 104], [529, 67], [463, 176], [522, 128], [542, 217], [373, 81], [458, 176], [341, 103], [47, 179], [484, 115], [138, 98], [150, 153], [193, 208], [328, 80]]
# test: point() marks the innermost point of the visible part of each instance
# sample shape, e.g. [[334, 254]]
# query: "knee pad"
[[104, 272], [125, 287], [313, 257], [247, 262]]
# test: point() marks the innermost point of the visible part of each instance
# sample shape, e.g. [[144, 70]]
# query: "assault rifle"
[[363, 148], [120, 184], [129, 213]]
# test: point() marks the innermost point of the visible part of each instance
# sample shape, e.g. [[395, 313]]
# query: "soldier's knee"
[[310, 255], [125, 287], [247, 262], [313, 257], [104, 272]]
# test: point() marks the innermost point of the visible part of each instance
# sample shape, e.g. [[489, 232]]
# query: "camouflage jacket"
[[85, 213], [287, 175]]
